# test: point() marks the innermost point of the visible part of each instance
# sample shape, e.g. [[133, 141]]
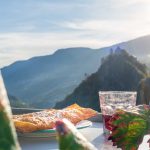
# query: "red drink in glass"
[[106, 119], [112, 100]]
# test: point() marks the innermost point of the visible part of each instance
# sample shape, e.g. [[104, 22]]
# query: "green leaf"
[[130, 126], [69, 138], [8, 137]]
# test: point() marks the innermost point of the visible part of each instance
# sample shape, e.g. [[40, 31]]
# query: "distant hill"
[[139, 47], [43, 81], [118, 72], [14, 102]]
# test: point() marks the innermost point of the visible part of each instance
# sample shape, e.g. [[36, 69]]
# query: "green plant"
[[129, 127]]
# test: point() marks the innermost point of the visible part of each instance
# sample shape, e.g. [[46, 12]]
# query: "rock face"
[[144, 92], [119, 72]]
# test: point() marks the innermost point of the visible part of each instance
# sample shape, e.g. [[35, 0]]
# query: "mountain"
[[14, 102], [119, 71], [139, 47], [43, 81]]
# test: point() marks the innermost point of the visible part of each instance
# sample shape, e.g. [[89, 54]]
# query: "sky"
[[39, 27]]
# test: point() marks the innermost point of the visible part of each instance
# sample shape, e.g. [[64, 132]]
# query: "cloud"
[[90, 33], [126, 28], [32, 28], [122, 3], [20, 46]]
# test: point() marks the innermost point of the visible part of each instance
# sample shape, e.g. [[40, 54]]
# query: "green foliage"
[[68, 142], [69, 138], [8, 137], [129, 127], [119, 71], [7, 141]]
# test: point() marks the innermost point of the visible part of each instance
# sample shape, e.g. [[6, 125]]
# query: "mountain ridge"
[[46, 71], [119, 71], [44, 80]]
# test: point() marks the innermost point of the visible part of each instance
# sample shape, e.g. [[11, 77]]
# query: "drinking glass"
[[112, 100]]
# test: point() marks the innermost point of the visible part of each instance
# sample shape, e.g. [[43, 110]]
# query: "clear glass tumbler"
[[112, 100]]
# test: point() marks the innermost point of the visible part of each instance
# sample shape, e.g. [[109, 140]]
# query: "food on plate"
[[69, 138], [8, 138], [46, 119]]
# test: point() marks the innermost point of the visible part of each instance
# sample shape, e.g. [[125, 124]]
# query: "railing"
[[24, 110]]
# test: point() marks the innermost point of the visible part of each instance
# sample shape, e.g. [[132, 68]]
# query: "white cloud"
[[94, 24], [90, 33], [125, 28], [18, 46]]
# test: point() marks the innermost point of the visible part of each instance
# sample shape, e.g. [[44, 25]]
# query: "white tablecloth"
[[94, 134]]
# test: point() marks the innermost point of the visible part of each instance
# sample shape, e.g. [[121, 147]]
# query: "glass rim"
[[117, 92]]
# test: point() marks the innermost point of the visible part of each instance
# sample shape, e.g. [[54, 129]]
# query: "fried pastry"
[[46, 119]]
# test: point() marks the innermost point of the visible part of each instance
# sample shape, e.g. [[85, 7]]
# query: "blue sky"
[[38, 27]]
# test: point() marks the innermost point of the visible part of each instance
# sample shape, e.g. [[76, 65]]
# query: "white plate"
[[52, 132]]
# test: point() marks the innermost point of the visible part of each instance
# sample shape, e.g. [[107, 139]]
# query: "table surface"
[[94, 134]]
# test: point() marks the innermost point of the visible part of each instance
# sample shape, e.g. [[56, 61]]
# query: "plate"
[[52, 132]]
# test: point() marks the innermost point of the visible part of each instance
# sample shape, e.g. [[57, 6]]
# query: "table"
[[94, 134]]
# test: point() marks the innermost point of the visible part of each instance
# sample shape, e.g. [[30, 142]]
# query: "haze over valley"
[[43, 81]]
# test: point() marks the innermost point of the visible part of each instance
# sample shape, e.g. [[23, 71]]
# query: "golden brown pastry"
[[46, 119]]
